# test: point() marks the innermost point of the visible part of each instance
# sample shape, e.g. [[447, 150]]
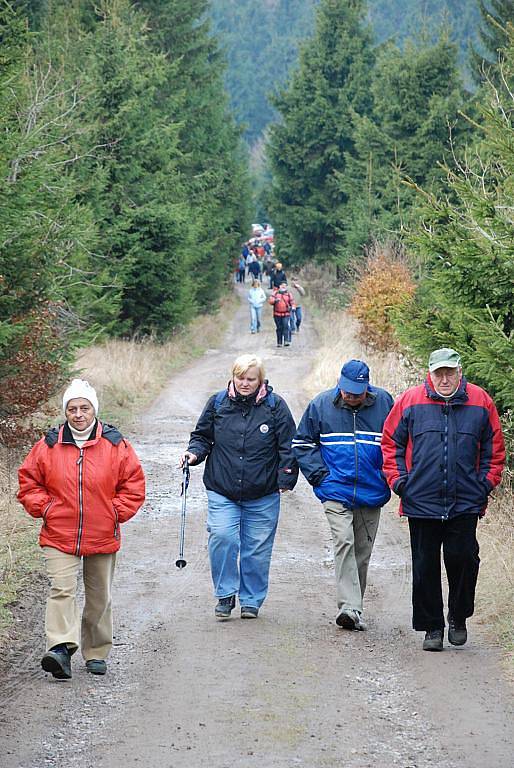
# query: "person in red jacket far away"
[[83, 479], [443, 454], [283, 304]]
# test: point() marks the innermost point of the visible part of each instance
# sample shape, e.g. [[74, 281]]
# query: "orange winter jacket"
[[82, 494]]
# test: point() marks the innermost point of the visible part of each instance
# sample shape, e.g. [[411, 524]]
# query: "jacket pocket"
[[116, 523], [47, 510]]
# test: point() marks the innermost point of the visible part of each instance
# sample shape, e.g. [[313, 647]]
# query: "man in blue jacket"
[[337, 446]]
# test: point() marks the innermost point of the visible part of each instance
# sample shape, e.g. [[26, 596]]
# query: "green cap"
[[443, 358]]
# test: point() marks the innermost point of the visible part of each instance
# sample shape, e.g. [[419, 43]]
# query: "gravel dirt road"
[[290, 689]]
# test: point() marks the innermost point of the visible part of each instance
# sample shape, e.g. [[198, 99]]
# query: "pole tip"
[[180, 563]]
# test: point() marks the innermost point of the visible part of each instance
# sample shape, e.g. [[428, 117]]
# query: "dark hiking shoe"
[[350, 619], [57, 662], [433, 640], [457, 632], [96, 666], [249, 612], [225, 607]]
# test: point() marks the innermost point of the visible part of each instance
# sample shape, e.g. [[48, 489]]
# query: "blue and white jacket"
[[338, 448]]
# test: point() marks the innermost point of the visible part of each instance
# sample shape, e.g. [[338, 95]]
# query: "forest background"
[[139, 140]]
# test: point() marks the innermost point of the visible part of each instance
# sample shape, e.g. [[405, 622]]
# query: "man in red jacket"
[[443, 454], [83, 480]]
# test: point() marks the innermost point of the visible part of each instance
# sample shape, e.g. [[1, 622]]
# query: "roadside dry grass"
[[338, 341], [127, 376]]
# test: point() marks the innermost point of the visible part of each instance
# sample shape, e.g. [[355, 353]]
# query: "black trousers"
[[457, 537], [282, 326]]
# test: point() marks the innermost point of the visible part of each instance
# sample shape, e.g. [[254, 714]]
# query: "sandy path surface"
[[290, 689]]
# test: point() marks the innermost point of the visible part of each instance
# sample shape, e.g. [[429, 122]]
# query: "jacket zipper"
[[445, 462], [81, 501], [356, 456]]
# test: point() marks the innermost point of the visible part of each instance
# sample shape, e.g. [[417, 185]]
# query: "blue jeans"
[[255, 318], [243, 531]]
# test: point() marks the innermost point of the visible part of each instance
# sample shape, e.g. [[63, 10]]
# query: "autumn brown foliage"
[[384, 287], [30, 374]]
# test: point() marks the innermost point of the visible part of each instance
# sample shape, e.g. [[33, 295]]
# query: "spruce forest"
[[127, 131]]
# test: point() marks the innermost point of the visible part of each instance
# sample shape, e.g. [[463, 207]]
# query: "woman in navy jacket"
[[244, 433]]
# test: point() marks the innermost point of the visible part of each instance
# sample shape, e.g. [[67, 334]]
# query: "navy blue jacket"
[[338, 448], [247, 444], [442, 457]]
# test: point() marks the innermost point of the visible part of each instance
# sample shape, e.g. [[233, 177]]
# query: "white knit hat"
[[80, 388]]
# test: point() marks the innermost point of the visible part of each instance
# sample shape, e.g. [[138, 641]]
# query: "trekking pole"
[[181, 563]]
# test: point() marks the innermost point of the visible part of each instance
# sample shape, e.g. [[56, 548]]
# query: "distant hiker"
[[277, 276], [82, 480], [245, 251], [443, 455], [295, 320], [337, 445], [241, 270], [254, 269], [282, 302], [256, 298], [245, 434]]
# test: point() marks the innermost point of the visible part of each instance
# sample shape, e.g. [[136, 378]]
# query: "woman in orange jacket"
[[83, 479]]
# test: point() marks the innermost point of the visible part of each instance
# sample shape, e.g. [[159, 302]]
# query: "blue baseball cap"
[[354, 377]]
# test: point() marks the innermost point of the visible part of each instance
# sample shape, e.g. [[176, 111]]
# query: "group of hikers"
[[439, 447], [287, 310]]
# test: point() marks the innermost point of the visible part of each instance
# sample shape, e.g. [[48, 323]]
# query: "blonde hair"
[[244, 362], [256, 283]]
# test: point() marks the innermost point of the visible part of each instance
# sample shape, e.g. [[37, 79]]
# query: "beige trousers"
[[62, 620], [353, 533]]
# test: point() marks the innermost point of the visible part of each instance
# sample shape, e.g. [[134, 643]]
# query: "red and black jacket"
[[443, 457]]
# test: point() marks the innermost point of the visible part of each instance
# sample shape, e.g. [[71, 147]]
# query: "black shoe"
[[96, 666], [457, 632], [225, 607], [347, 618], [433, 640], [249, 612], [57, 662]]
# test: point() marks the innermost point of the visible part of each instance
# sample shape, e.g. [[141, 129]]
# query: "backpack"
[[282, 303]]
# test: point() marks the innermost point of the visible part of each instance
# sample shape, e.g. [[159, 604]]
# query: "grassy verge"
[[127, 376], [495, 592]]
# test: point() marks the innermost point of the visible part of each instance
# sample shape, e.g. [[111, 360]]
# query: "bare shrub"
[[31, 372], [384, 288]]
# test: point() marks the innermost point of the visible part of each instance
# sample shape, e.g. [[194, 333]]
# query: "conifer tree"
[[493, 36], [417, 94], [213, 164], [465, 242], [311, 144], [129, 175], [44, 233]]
